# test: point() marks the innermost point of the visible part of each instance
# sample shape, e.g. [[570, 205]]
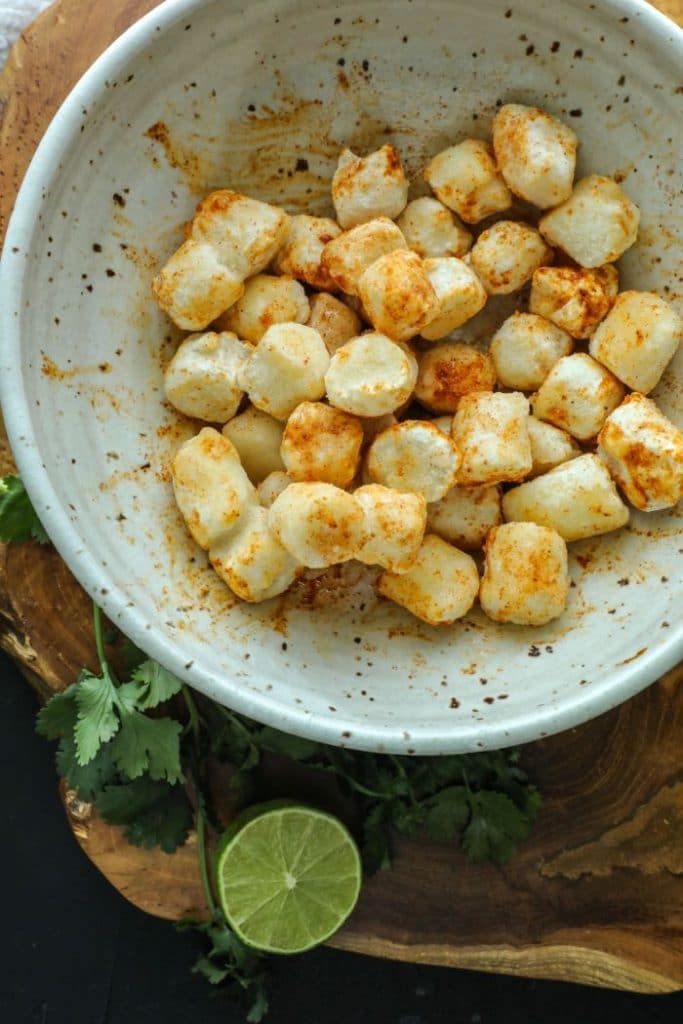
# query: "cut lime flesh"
[[287, 878]]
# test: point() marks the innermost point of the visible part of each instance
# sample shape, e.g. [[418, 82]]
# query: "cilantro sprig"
[[138, 748], [18, 519]]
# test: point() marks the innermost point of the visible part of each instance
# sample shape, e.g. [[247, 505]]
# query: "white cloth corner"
[[15, 16]]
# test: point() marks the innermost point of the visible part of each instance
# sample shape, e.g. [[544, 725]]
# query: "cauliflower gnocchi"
[[643, 451], [465, 178], [319, 524], [596, 225], [526, 579], [322, 443], [578, 499], [287, 366], [371, 375], [397, 295], [460, 295], [327, 461], [414, 456], [575, 300], [348, 256], [525, 348], [394, 523], [201, 379], [267, 300], [490, 429], [536, 154], [257, 438], [637, 339], [578, 395], [440, 587], [449, 371], [432, 230], [369, 186], [505, 256]]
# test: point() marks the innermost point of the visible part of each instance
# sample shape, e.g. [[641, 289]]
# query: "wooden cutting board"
[[596, 895]]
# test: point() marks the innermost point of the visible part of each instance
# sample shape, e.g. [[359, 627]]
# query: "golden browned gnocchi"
[[322, 457]]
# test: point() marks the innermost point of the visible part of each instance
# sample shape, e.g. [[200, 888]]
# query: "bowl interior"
[[202, 95]]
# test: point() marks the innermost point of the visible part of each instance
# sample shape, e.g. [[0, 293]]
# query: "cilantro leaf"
[[96, 699], [447, 812], [18, 519], [156, 684], [495, 827], [296, 747], [57, 718], [153, 813], [150, 745], [376, 846], [228, 959], [88, 779]]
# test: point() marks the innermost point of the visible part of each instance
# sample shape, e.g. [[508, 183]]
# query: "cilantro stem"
[[99, 638], [193, 724], [203, 863], [404, 775]]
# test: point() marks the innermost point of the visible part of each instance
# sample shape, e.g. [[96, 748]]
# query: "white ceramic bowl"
[[261, 99]]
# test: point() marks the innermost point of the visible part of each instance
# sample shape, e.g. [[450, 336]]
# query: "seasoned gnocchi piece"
[[267, 300], [643, 451], [460, 295], [334, 321], [578, 499], [368, 186], [550, 446], [371, 375], [257, 438], [449, 371], [526, 578], [465, 515], [465, 178], [318, 523], [252, 562], [596, 225], [201, 379], [322, 443], [245, 232], [211, 489], [194, 288], [505, 256], [394, 524], [397, 295], [440, 587], [287, 366], [431, 229], [273, 485], [301, 254], [414, 456], [346, 257], [490, 429], [536, 154], [575, 300], [578, 395], [638, 338], [525, 348]]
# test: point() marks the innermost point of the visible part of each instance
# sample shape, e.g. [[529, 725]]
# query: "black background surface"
[[74, 952]]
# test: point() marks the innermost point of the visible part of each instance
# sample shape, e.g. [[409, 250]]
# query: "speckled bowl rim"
[[64, 128]]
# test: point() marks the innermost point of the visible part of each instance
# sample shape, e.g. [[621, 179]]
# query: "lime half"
[[287, 877]]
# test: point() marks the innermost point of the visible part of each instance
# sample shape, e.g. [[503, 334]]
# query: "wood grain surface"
[[596, 895]]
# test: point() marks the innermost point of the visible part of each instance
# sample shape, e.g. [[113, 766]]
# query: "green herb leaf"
[[295, 747], [18, 519], [447, 813], [58, 717], [156, 684], [88, 779], [148, 745], [153, 813], [96, 700], [496, 827]]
